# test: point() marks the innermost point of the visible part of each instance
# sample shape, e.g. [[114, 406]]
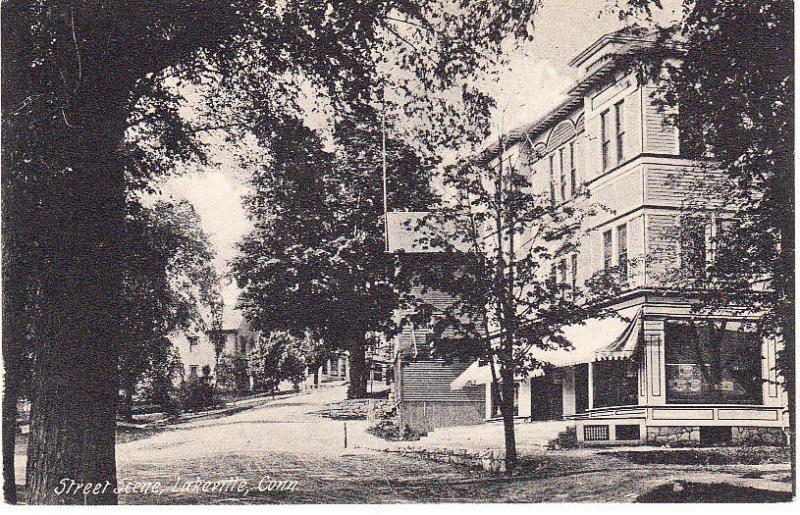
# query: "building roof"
[[606, 51]]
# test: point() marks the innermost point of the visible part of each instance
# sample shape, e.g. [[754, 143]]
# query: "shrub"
[[198, 395], [233, 373]]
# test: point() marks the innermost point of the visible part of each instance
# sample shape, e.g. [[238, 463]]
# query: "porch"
[[664, 377]]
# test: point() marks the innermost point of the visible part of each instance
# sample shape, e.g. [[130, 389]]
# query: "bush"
[[158, 382], [233, 373], [199, 394], [390, 430], [567, 439]]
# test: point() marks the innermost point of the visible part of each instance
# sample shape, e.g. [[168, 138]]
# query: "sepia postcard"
[[398, 251]]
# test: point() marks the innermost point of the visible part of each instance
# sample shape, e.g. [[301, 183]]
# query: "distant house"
[[196, 347]]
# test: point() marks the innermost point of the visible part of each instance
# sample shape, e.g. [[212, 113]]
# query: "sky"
[[534, 81]]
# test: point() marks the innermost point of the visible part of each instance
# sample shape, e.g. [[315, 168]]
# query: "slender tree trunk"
[[356, 345], [507, 410]]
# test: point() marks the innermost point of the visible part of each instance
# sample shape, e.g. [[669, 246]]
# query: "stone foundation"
[[757, 436], [680, 435]]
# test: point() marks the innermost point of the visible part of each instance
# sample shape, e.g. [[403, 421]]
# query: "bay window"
[[712, 362]]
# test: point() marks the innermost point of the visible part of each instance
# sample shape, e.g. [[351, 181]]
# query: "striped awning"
[[596, 339], [474, 375], [625, 346]]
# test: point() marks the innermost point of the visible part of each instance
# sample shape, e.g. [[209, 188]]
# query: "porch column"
[[654, 364], [568, 390], [590, 381], [772, 387], [488, 413], [525, 402]]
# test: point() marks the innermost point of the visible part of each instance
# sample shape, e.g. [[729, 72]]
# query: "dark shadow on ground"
[[684, 492], [705, 456]]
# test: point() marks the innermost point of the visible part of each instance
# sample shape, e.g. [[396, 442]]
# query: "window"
[[562, 171], [552, 179], [605, 139], [607, 250], [721, 241], [193, 371], [619, 114], [553, 274], [627, 432], [622, 250], [712, 362], [428, 323], [614, 383], [573, 173], [595, 433], [193, 342], [574, 269]]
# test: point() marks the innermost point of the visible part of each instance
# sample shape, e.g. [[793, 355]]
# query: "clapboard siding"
[[430, 380], [663, 255], [660, 137], [685, 186], [412, 342]]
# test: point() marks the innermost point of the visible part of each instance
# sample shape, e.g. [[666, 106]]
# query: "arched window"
[[562, 133]]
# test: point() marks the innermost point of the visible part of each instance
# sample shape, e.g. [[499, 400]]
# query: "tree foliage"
[[316, 260], [92, 111], [733, 87], [279, 357], [169, 283], [494, 248]]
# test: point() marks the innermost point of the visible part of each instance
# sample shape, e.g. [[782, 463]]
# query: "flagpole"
[[383, 156]]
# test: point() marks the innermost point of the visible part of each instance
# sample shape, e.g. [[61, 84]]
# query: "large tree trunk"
[[9, 438], [126, 406], [75, 380], [507, 410], [356, 345], [787, 359], [12, 369]]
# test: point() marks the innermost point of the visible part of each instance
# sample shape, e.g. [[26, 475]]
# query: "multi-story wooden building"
[[665, 371]]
